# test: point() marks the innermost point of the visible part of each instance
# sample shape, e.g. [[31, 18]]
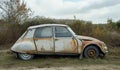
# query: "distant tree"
[[77, 26], [1, 21], [111, 25], [118, 24], [14, 11], [88, 28]]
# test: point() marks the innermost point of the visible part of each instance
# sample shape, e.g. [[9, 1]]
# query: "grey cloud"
[[88, 8], [97, 11], [106, 3]]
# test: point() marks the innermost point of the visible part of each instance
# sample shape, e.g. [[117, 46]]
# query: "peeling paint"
[[76, 44]]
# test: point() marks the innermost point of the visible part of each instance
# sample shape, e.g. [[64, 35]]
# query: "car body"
[[56, 39]]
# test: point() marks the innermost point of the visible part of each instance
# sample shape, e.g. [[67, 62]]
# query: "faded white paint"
[[29, 34], [23, 47], [64, 44], [27, 43], [80, 44], [44, 25], [44, 44]]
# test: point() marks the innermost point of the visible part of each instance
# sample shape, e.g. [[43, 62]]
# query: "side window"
[[43, 32], [30, 33], [62, 32]]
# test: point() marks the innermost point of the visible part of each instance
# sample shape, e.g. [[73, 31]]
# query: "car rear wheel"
[[91, 52], [25, 56]]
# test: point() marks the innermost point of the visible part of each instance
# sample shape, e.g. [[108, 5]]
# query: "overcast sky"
[[97, 11]]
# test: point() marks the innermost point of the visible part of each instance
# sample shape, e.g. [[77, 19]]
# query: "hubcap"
[[91, 53], [25, 56]]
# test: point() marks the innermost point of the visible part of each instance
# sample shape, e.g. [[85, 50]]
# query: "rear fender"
[[24, 47]]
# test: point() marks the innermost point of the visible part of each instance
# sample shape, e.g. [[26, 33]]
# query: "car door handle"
[[56, 39]]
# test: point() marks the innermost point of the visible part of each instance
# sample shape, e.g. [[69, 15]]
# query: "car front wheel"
[[91, 52], [25, 56]]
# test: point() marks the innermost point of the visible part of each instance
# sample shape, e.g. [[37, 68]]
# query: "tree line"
[[16, 18]]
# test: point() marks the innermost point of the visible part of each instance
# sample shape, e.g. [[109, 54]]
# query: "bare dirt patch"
[[84, 67], [74, 67]]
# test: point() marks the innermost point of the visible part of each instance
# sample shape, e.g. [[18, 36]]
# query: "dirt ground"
[[83, 67]]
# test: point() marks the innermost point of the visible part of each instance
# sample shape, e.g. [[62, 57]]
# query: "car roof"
[[43, 25]]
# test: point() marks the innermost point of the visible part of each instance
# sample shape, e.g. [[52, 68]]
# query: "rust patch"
[[31, 51], [75, 47], [69, 50], [42, 49], [73, 42], [99, 44], [65, 51], [70, 47], [26, 39], [85, 43], [43, 39], [52, 48]]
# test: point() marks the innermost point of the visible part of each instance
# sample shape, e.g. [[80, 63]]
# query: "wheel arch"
[[95, 45]]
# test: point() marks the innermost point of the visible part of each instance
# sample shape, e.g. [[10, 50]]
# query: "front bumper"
[[105, 50]]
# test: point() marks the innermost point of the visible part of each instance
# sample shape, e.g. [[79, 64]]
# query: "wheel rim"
[[91, 53], [25, 56]]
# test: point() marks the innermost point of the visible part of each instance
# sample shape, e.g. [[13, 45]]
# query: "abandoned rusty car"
[[56, 39]]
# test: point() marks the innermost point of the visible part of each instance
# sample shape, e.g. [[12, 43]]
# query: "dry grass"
[[6, 46], [8, 60]]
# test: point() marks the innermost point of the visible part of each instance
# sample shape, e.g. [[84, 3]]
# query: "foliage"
[[118, 26], [14, 11], [105, 32], [82, 27], [111, 25]]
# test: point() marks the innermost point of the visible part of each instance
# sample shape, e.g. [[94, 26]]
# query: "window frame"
[[66, 29], [26, 32], [44, 27]]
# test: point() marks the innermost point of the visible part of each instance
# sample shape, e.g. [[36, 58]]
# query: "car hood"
[[86, 38]]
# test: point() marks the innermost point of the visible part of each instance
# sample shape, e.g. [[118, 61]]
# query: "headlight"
[[104, 46]]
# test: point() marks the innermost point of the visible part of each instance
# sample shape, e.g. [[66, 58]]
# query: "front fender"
[[86, 44], [24, 47]]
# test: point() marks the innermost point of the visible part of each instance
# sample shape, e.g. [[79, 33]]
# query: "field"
[[110, 62], [100, 20]]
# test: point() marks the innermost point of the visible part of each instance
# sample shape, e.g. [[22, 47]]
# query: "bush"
[[9, 33]]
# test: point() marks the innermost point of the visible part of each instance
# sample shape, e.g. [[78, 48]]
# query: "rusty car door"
[[64, 41], [44, 39]]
